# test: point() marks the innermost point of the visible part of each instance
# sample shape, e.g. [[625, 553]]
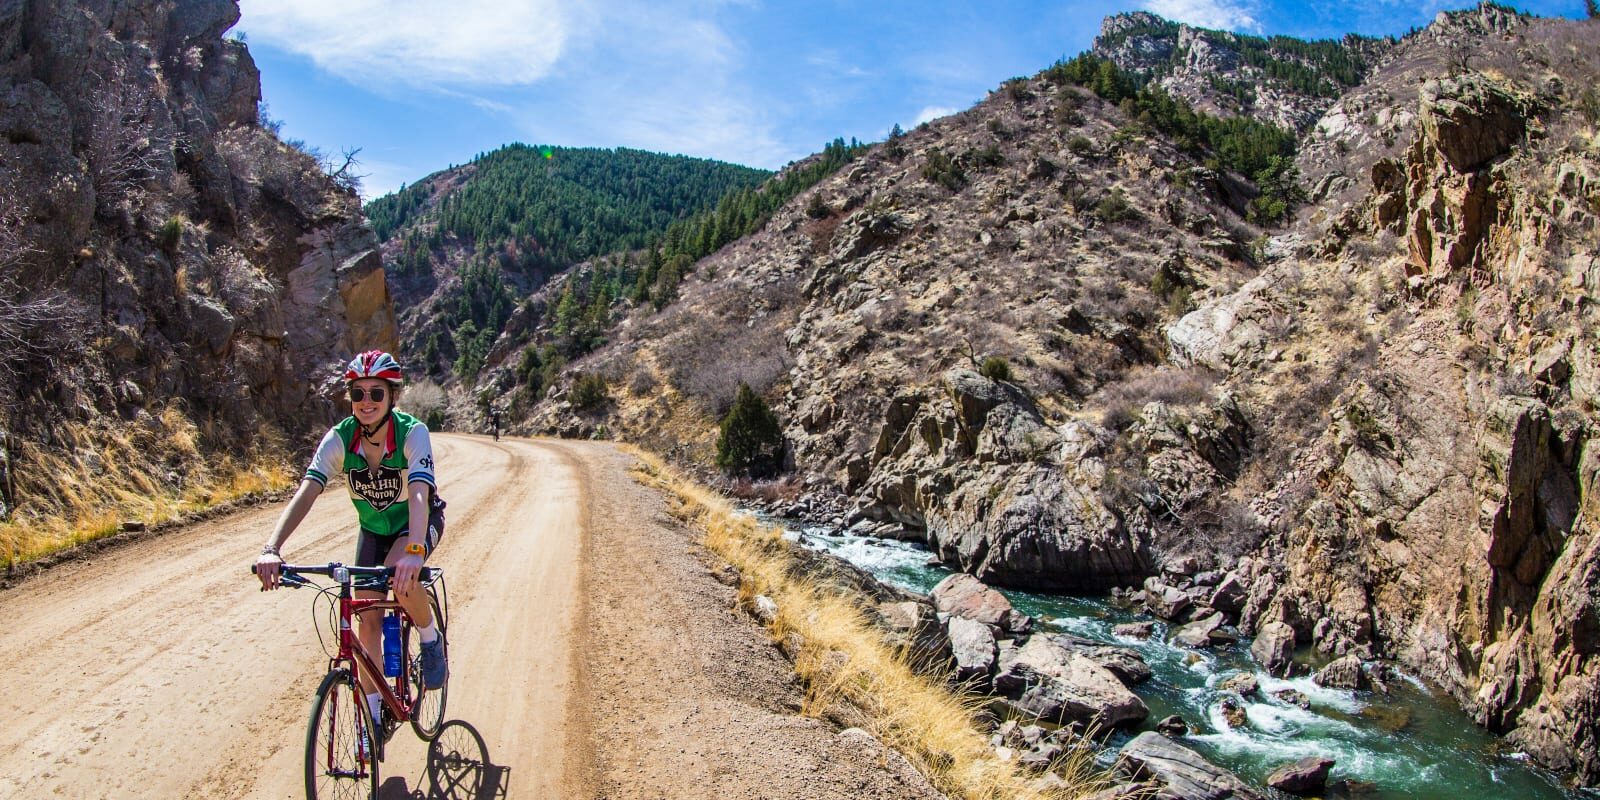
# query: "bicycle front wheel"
[[427, 711], [341, 751]]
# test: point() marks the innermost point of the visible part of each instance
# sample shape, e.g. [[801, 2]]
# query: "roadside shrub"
[[995, 368], [751, 440], [589, 391]]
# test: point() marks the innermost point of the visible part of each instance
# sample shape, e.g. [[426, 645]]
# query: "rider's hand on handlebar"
[[267, 565], [406, 571]]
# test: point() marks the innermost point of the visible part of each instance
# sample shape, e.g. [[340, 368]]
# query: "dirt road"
[[157, 670]]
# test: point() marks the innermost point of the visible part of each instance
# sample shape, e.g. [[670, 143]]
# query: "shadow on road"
[[458, 768]]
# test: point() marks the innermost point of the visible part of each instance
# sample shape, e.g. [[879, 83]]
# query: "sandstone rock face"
[[1043, 679], [1471, 120], [973, 465], [1187, 775]]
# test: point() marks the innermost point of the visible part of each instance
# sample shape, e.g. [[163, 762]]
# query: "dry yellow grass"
[[843, 659], [150, 470]]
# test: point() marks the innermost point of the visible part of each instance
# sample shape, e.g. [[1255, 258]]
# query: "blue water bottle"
[[391, 644]]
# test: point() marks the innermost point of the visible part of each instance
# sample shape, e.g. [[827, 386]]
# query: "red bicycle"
[[342, 749]]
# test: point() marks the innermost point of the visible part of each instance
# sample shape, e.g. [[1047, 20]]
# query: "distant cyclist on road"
[[387, 459]]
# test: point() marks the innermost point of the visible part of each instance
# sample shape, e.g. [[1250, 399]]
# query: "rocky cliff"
[[1280, 80], [184, 283]]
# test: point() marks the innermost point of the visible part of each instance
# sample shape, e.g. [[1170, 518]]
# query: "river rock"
[[1124, 662], [1134, 630], [973, 645], [1173, 726], [1043, 679], [1302, 777], [962, 595], [1244, 683], [1342, 673], [1293, 697], [915, 627], [1199, 633], [1188, 776], [1274, 648], [1165, 601], [1229, 595], [764, 609], [1234, 713]]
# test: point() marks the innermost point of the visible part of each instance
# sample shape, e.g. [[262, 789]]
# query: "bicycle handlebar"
[[428, 574]]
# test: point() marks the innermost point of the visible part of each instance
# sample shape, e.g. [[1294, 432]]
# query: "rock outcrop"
[[194, 271]]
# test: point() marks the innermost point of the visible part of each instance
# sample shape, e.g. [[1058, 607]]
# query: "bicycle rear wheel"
[[427, 711], [341, 750]]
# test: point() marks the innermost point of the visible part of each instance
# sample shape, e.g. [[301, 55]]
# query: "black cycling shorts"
[[372, 549]]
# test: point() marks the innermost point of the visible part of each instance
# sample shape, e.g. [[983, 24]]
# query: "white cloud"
[[1227, 15], [932, 113], [425, 43]]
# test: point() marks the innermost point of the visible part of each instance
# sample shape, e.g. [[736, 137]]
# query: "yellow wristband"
[[415, 549]]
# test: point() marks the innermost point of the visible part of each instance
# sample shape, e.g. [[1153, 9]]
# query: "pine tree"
[[752, 440], [1593, 8]]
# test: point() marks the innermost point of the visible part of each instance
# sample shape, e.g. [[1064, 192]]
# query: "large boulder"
[[1274, 648], [915, 627], [1305, 776], [1342, 673], [962, 595], [1187, 774], [1164, 601], [1045, 680], [1124, 662], [1203, 632], [973, 645]]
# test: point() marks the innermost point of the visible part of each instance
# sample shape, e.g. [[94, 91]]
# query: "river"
[[1413, 743]]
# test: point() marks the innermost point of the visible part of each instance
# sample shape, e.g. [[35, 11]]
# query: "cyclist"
[[387, 459]]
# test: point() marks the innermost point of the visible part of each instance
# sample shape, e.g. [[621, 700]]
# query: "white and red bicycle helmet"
[[373, 364]]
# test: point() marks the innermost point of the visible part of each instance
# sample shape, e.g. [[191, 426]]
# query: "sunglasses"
[[358, 395]]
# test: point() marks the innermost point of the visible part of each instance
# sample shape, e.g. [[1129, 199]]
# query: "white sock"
[[375, 705], [429, 633]]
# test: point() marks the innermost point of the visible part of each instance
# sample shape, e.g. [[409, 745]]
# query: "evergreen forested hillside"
[[545, 208]]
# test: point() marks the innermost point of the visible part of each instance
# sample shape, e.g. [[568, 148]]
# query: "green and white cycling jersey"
[[379, 492]]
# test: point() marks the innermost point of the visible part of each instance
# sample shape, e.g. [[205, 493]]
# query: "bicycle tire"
[[427, 712], [335, 769]]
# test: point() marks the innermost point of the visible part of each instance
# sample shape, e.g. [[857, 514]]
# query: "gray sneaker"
[[434, 669]]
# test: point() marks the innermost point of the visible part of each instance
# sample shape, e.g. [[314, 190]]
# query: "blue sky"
[[422, 84]]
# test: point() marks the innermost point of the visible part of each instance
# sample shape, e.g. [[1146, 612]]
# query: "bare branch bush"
[[33, 323], [344, 176], [125, 146]]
